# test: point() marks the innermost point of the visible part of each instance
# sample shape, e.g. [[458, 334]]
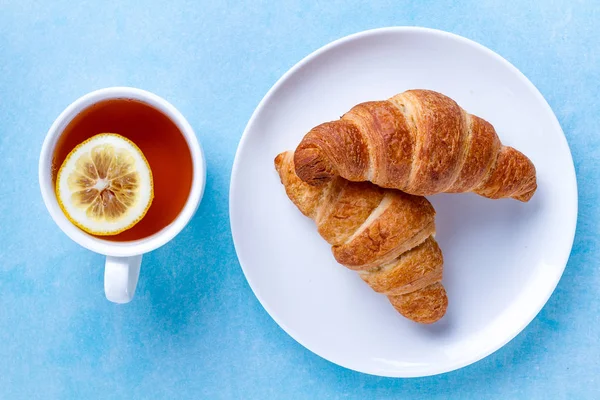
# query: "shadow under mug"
[[123, 259]]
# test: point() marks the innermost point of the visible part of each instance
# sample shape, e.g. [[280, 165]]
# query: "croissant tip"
[[312, 167], [525, 197], [280, 159], [425, 306]]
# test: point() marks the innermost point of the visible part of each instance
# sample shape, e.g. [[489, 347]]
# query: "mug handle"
[[120, 278]]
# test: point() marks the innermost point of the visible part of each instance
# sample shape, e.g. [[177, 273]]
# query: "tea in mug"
[[137, 127]]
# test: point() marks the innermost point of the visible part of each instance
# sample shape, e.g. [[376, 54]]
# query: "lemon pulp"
[[104, 186]]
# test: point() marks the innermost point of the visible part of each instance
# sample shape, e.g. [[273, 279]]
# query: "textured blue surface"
[[195, 330]]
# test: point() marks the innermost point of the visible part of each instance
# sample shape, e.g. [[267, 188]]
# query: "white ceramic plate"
[[503, 258]]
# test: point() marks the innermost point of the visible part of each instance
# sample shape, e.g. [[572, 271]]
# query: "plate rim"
[[400, 30]]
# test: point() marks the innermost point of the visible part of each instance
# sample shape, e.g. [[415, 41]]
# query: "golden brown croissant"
[[384, 234], [420, 142]]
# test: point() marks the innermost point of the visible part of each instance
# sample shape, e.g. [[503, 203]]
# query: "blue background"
[[195, 330]]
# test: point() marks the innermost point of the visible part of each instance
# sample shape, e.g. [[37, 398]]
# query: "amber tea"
[[163, 145]]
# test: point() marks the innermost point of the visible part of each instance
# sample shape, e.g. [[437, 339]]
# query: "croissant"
[[385, 235], [420, 142]]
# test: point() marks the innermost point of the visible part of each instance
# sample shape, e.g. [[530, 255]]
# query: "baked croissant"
[[420, 142], [385, 235]]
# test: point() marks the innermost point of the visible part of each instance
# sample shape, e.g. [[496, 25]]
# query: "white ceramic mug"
[[123, 259]]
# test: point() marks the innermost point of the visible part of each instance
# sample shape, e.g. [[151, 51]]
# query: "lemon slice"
[[104, 186]]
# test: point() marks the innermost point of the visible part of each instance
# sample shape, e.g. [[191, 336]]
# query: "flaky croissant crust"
[[385, 235], [420, 142]]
